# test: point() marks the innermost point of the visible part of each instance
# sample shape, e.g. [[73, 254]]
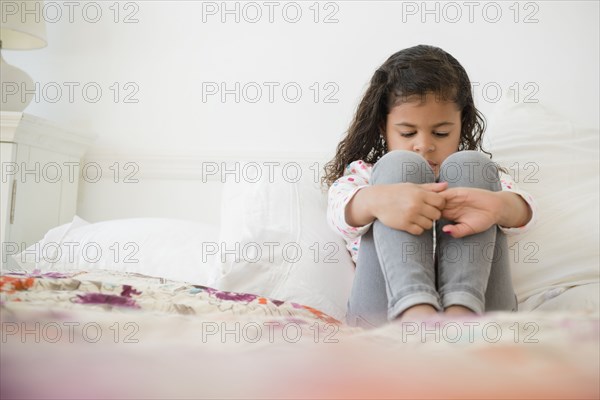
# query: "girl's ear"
[[382, 135]]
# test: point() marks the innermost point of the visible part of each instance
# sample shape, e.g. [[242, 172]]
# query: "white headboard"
[[183, 187]]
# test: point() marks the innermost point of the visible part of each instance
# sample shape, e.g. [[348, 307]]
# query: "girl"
[[410, 158]]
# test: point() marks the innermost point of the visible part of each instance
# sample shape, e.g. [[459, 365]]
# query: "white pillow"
[[580, 298], [558, 165], [285, 250], [160, 247]]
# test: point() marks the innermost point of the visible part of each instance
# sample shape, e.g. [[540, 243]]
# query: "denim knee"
[[470, 168], [402, 166]]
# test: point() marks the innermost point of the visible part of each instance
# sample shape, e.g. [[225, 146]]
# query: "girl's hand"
[[472, 210], [407, 206]]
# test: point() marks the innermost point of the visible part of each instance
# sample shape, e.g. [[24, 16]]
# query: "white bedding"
[[140, 337]]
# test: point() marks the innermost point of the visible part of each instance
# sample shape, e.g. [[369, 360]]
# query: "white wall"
[[170, 52]]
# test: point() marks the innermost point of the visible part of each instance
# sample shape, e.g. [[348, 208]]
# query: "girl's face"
[[430, 128]]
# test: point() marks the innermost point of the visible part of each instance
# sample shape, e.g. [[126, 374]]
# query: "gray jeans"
[[396, 270]]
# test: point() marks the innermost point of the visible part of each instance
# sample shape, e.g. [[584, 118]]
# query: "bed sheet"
[[114, 335]]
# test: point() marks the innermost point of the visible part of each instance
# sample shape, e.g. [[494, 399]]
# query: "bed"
[[254, 307], [114, 335]]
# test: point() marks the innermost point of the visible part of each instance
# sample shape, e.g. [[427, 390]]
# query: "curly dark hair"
[[416, 71]]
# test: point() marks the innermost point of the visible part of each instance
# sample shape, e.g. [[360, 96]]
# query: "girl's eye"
[[438, 134]]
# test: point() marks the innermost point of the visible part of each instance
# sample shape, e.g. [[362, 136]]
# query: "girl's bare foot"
[[457, 310], [417, 313]]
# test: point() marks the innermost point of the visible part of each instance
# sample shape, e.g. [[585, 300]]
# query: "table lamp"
[[22, 27]]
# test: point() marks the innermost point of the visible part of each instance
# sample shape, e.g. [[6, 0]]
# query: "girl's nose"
[[423, 146]]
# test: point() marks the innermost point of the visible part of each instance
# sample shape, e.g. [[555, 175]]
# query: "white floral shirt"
[[358, 175]]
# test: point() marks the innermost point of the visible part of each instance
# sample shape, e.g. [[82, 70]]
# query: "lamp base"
[[14, 82]]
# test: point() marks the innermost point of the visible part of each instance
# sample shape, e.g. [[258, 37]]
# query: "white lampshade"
[[23, 28]]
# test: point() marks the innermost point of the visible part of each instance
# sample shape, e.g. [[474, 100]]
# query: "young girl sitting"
[[423, 212]]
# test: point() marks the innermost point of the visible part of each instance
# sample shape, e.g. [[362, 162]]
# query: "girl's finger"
[[414, 229], [435, 187], [436, 200], [423, 222], [431, 212], [457, 230]]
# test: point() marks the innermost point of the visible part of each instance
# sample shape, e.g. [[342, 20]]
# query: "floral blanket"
[[114, 335]]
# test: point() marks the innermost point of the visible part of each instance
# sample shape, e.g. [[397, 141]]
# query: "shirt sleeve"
[[356, 176], [508, 184]]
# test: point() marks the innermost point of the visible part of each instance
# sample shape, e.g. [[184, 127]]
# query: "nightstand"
[[41, 165]]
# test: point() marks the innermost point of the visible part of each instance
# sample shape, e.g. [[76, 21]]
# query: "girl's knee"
[[468, 156], [470, 168], [402, 166]]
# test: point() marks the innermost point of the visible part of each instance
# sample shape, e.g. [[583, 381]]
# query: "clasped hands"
[[413, 208]]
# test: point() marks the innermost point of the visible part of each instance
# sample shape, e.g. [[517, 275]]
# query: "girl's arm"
[[358, 210], [510, 187], [354, 203], [514, 211], [405, 206], [356, 178], [476, 210]]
